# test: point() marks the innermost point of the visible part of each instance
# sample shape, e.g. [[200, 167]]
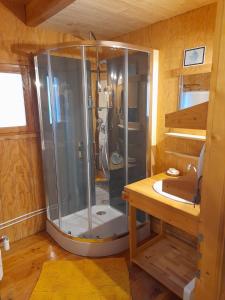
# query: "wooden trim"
[[207, 68], [186, 136], [132, 231], [194, 117], [29, 100], [11, 68], [212, 225], [88, 43], [38, 11], [18, 136]]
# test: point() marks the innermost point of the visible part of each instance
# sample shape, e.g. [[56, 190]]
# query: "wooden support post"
[[132, 231], [211, 282], [161, 227]]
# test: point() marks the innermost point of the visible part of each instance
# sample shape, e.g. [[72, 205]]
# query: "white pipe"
[[22, 218]]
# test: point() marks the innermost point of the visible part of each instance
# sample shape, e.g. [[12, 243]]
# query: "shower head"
[[92, 36]]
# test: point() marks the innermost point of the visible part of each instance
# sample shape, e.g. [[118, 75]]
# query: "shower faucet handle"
[[90, 102], [80, 150]]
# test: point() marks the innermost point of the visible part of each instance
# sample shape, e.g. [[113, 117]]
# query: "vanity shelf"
[[170, 261]]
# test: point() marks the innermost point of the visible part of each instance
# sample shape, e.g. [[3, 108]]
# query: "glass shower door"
[[47, 138], [66, 117], [68, 81]]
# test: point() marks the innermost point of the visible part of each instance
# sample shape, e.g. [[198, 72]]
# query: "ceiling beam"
[[16, 7], [38, 11]]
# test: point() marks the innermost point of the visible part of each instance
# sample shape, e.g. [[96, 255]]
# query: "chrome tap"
[[191, 167]]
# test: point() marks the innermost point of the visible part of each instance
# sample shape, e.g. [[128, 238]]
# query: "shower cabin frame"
[[112, 245]]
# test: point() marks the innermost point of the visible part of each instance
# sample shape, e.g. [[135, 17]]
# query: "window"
[[12, 105]]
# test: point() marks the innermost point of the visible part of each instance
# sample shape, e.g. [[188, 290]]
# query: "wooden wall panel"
[[194, 117], [21, 183], [21, 180], [179, 161], [25, 228], [171, 37], [14, 34], [20, 169], [183, 146]]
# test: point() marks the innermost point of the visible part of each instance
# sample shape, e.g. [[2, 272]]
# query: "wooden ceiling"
[[108, 18]]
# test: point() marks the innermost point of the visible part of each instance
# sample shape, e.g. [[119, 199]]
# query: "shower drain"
[[101, 212]]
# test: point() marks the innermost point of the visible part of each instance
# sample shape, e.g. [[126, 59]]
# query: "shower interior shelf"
[[129, 128]]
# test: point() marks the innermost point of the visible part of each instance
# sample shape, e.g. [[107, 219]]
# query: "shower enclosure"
[[93, 109]]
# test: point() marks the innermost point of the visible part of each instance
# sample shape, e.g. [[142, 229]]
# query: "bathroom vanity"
[[166, 258]]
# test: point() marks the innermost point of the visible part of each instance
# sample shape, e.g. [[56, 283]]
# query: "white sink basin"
[[157, 186]]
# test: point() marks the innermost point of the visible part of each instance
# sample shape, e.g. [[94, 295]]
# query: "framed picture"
[[194, 56]]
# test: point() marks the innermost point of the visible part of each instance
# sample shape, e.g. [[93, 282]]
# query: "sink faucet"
[[197, 196], [190, 166]]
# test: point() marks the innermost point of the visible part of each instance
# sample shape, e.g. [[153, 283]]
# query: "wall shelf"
[[186, 136], [205, 68], [183, 155], [194, 117], [129, 128]]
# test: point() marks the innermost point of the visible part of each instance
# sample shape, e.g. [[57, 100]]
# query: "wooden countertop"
[[141, 195]]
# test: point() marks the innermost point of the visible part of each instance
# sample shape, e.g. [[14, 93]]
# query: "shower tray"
[[107, 236]]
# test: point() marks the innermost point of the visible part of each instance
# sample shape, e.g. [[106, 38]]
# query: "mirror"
[[194, 89]]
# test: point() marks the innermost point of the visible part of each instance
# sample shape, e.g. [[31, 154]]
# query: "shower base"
[[109, 233], [106, 222]]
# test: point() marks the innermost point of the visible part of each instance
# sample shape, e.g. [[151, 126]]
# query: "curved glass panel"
[[47, 138], [93, 114]]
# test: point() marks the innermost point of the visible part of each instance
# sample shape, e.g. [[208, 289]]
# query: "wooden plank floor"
[[22, 266]]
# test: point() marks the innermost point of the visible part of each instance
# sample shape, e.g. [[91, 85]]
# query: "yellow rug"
[[91, 279]]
